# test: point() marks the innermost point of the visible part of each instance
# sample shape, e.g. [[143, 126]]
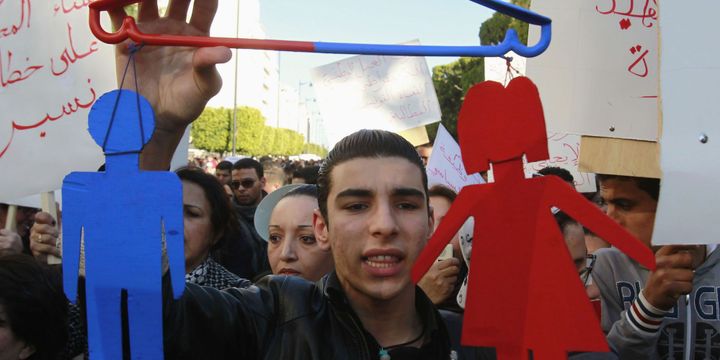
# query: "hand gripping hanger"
[[129, 30]]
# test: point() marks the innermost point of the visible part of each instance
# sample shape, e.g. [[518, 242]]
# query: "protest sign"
[[392, 93], [599, 76], [565, 152], [445, 166], [51, 71], [689, 144]]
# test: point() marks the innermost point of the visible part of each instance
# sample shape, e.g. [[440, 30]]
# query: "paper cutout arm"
[[129, 30], [575, 205], [456, 216], [171, 210], [73, 192]]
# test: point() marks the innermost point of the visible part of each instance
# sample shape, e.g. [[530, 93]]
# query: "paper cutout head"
[[513, 113], [119, 135]]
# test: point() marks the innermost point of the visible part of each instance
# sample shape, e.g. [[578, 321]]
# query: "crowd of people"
[[313, 260]]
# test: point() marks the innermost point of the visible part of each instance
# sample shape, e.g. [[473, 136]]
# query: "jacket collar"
[[332, 289]]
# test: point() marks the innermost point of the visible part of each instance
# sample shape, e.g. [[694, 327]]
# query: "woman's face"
[[11, 348], [199, 237], [292, 249]]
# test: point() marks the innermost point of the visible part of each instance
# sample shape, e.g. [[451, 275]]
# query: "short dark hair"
[[224, 165], [365, 144], [34, 304], [222, 216], [649, 185], [442, 191], [303, 190], [559, 172], [249, 163], [308, 173]]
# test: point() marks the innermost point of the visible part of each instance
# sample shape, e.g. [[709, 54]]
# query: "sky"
[[433, 22]]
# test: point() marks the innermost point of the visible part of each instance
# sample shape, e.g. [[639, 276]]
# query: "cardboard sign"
[[445, 165], [51, 71], [600, 74], [565, 153], [690, 142], [392, 93]]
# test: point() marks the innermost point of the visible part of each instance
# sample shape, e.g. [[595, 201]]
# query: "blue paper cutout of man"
[[121, 214]]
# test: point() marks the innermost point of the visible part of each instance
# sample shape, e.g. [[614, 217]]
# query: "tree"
[[211, 131], [451, 82], [250, 126], [493, 30]]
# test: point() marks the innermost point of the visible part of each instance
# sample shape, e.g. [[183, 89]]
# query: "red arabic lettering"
[[67, 109], [21, 23], [636, 49], [443, 175], [648, 16], [70, 56], [68, 9], [8, 76]]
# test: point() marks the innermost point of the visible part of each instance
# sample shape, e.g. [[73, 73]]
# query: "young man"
[[222, 172], [647, 315], [374, 225], [248, 181], [368, 308]]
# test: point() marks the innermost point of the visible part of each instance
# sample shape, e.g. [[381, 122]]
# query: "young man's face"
[[633, 208], [378, 224], [247, 186], [223, 176]]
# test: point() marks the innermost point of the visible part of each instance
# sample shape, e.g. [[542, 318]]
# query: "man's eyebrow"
[[408, 192], [354, 193]]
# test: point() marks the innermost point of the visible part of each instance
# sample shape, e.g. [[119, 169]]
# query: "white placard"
[[564, 152], [51, 71], [392, 93], [689, 198], [497, 69], [445, 166], [600, 74]]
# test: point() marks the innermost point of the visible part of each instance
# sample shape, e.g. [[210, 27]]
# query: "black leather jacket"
[[279, 318]]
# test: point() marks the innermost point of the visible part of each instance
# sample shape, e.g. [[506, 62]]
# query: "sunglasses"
[[247, 183]]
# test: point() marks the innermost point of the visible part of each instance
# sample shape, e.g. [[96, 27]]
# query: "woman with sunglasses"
[[284, 220]]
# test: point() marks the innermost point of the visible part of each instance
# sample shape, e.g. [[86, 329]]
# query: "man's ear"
[[262, 182], [320, 226], [431, 221], [26, 352]]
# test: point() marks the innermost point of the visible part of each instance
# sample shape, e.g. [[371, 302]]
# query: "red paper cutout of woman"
[[524, 292]]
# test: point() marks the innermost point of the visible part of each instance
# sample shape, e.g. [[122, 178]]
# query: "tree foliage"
[[453, 80], [493, 30], [212, 132]]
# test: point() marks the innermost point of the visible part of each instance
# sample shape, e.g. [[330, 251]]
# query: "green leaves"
[[212, 132]]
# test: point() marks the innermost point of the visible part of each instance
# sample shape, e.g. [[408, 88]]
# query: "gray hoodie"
[[637, 330]]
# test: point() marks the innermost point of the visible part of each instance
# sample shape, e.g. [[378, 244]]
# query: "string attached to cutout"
[[509, 72], [134, 48]]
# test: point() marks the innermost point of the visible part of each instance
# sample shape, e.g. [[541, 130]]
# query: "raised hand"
[[177, 81]]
